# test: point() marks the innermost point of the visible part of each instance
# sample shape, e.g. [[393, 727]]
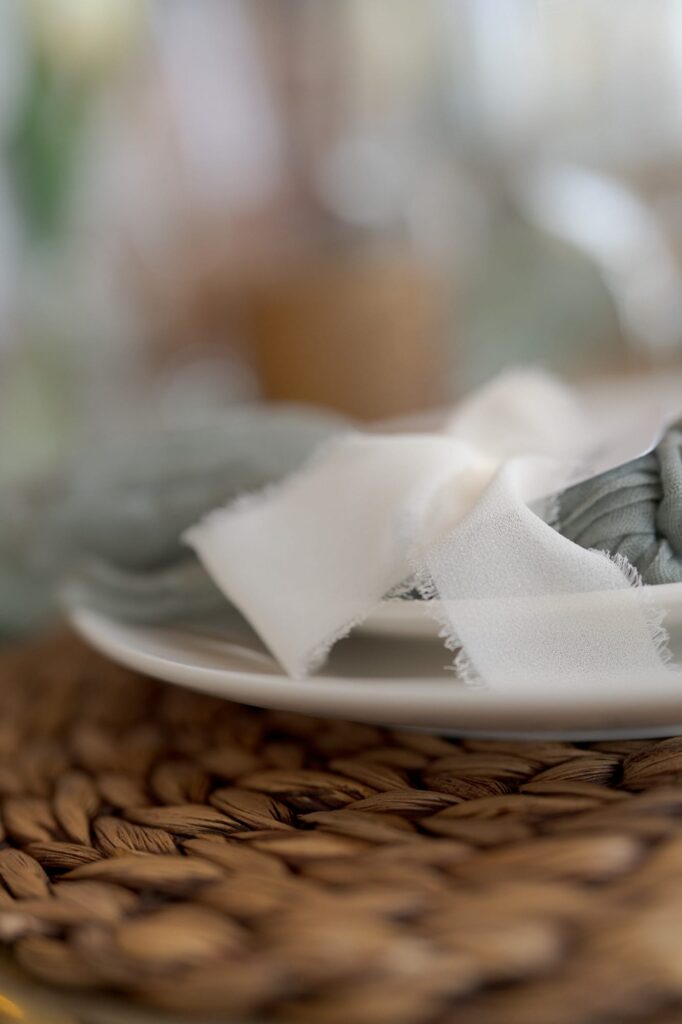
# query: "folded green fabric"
[[112, 527], [634, 510], [132, 565]]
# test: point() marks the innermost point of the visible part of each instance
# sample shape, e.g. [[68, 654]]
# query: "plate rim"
[[396, 616], [435, 704]]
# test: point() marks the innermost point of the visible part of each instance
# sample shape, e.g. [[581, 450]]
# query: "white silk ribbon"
[[311, 557]]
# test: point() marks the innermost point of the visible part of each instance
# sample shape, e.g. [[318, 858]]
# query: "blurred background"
[[370, 205]]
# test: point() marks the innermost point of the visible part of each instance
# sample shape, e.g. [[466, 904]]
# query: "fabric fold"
[[311, 557], [633, 510]]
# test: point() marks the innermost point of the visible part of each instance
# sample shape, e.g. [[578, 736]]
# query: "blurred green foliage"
[[46, 145]]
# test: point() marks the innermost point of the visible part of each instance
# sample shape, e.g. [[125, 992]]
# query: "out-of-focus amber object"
[[358, 332]]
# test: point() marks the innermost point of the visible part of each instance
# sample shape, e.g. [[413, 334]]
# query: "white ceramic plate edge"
[[437, 704], [417, 619]]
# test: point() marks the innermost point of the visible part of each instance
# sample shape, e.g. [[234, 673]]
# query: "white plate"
[[397, 617], [402, 682]]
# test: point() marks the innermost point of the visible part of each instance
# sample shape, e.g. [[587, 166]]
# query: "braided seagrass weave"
[[201, 857]]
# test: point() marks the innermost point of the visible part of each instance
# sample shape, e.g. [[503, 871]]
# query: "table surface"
[[168, 851]]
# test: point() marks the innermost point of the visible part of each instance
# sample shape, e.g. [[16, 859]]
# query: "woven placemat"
[[203, 857]]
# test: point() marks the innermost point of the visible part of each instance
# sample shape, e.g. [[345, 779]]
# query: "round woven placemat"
[[203, 857]]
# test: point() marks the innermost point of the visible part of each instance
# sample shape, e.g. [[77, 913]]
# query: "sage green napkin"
[[125, 528], [111, 527], [634, 510]]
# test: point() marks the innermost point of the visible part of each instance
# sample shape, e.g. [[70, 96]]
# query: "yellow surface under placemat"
[[202, 857]]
